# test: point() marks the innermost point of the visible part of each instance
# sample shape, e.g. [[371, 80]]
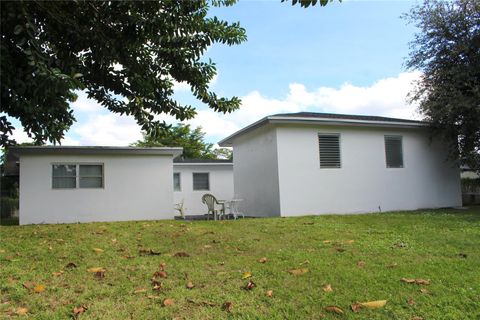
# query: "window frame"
[[179, 182], [397, 137], [326, 134], [193, 181], [77, 174]]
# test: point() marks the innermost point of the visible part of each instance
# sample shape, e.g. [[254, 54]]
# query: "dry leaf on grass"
[[71, 265], [416, 281], [98, 250], [298, 271], [374, 304], [156, 285], [250, 285], [57, 274], [140, 290], [356, 307], [39, 288], [227, 306], [340, 250], [21, 311], [96, 269], [29, 285], [246, 275], [148, 252], [326, 241], [424, 291], [79, 310], [262, 260], [181, 255], [411, 302], [361, 264], [168, 302], [334, 309], [269, 293], [190, 285], [160, 274], [327, 288]]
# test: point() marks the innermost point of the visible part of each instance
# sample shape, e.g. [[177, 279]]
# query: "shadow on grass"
[[9, 222]]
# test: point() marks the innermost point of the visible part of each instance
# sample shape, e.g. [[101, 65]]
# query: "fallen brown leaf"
[[326, 241], [96, 269], [168, 302], [374, 304], [79, 310], [57, 274], [39, 288], [153, 297], [227, 306], [181, 254], [190, 285], [162, 266], [29, 285], [269, 293], [99, 274], [407, 280], [246, 275], [298, 271], [140, 290], [327, 288], [160, 274], [98, 250], [334, 309], [21, 311], [156, 285], [263, 260], [250, 285], [361, 264], [148, 252], [356, 307], [411, 302], [70, 265], [424, 290], [416, 281]]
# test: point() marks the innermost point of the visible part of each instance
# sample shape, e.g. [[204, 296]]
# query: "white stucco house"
[[192, 178], [317, 163], [83, 184]]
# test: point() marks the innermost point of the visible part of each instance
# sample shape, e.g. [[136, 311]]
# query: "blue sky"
[[346, 57]]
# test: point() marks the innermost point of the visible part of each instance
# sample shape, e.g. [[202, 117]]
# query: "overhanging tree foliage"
[[124, 54], [192, 141], [447, 50]]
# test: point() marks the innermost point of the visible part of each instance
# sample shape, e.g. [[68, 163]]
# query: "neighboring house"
[[83, 184], [317, 163], [192, 178]]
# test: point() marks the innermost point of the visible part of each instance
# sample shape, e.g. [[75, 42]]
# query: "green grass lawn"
[[362, 257]]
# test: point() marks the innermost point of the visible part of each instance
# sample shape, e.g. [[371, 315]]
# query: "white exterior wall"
[[136, 187], [221, 185], [363, 183], [255, 172]]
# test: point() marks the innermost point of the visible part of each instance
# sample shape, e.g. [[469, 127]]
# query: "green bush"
[[470, 185], [8, 206]]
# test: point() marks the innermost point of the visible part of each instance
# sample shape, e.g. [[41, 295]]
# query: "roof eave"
[[48, 150], [227, 142]]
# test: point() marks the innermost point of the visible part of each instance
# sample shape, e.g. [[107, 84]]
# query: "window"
[[71, 176], [91, 176], [64, 176], [201, 181], [393, 151], [329, 148], [176, 182]]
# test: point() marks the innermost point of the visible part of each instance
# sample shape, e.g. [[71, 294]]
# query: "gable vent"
[[329, 147], [394, 151]]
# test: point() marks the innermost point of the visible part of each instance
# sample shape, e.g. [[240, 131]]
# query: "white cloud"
[[84, 104], [386, 97], [108, 130]]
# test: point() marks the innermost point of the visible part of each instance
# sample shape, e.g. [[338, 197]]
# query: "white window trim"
[[77, 177], [193, 181]]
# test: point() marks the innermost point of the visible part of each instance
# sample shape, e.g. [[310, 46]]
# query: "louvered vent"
[[329, 146], [393, 151]]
